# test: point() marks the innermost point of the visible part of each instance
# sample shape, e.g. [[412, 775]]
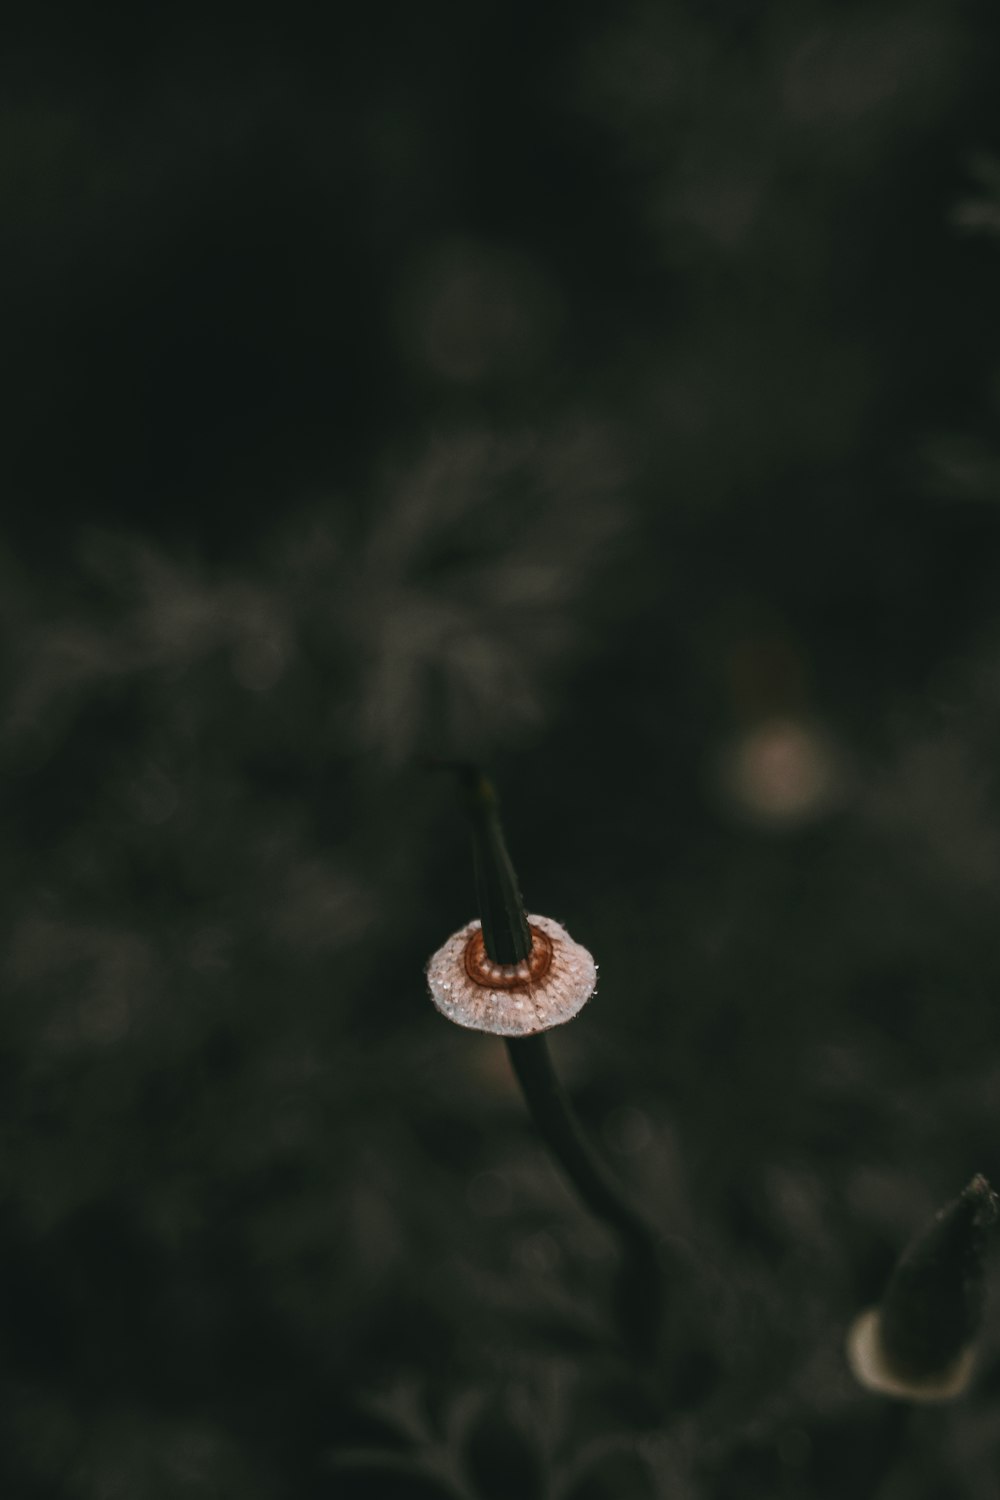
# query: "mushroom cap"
[[872, 1369], [512, 999]]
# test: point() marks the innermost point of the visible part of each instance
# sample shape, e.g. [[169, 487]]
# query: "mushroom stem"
[[640, 1288], [501, 906]]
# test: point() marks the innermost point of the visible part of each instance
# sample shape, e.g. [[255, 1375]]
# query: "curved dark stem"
[[640, 1286]]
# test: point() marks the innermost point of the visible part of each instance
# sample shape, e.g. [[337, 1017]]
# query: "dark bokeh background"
[[609, 393]]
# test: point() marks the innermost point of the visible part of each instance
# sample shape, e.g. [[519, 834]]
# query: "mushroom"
[[547, 988], [918, 1344], [872, 1367], [517, 976]]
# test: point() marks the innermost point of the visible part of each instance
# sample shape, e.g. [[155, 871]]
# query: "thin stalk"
[[501, 906], [640, 1285]]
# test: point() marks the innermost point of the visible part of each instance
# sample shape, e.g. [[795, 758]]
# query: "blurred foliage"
[[607, 394]]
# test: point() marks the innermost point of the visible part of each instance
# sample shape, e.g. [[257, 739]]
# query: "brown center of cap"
[[482, 970]]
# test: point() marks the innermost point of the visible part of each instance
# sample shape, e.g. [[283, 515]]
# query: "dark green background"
[[584, 390]]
